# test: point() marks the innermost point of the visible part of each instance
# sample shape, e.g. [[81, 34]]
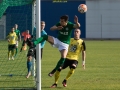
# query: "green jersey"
[[64, 35], [17, 32]]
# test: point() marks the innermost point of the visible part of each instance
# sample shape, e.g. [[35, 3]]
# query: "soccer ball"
[[82, 8]]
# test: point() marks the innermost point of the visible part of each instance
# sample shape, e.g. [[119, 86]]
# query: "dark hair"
[[65, 17]]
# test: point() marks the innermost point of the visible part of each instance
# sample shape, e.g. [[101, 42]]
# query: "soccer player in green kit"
[[64, 28], [19, 37]]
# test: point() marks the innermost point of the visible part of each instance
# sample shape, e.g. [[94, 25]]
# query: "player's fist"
[[83, 64], [59, 27], [76, 19]]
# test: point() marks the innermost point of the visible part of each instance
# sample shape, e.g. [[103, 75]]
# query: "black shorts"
[[11, 47], [24, 42], [69, 63], [32, 52]]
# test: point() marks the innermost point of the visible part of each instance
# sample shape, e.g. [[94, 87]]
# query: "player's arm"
[[19, 36], [8, 37], [83, 54], [56, 27], [77, 24]]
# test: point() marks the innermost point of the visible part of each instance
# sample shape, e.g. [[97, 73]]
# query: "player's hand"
[[76, 19], [8, 40], [59, 27]]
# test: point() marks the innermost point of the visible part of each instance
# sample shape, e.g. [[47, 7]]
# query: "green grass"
[[15, 67], [102, 68]]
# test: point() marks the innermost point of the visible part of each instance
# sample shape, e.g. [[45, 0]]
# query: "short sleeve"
[[58, 24], [83, 46]]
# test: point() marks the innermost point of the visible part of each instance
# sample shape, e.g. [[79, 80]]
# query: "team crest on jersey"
[[66, 28], [77, 43]]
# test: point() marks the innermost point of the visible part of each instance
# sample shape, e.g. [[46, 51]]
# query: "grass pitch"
[[102, 68]]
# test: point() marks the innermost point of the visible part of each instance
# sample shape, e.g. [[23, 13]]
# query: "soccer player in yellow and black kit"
[[12, 37], [76, 46]]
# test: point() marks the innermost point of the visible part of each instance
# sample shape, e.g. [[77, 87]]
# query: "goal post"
[[13, 72], [38, 50]]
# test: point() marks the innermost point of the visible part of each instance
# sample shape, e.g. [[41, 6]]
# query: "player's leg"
[[62, 59], [9, 51], [41, 39], [13, 51], [57, 73], [63, 48], [58, 66], [41, 52], [16, 48], [30, 54], [72, 64], [29, 65], [22, 46]]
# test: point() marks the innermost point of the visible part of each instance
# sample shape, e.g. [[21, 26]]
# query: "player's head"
[[27, 31], [16, 26], [64, 20], [77, 33], [42, 25], [12, 30]]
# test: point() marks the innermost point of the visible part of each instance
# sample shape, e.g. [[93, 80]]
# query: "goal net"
[[13, 72]]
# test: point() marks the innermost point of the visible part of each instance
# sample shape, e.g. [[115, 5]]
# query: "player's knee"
[[72, 71], [29, 58], [59, 69], [73, 66]]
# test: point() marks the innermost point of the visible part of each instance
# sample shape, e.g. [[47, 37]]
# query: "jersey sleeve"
[[45, 33], [19, 32], [58, 24], [83, 46], [23, 33]]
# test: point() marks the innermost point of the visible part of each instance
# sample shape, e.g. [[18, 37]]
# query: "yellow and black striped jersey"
[[75, 48], [12, 37]]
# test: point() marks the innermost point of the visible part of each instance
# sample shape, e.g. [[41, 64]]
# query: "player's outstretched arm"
[[20, 37], [77, 24], [53, 28], [83, 59], [56, 28]]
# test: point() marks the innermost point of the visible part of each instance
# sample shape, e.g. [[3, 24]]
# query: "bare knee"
[[63, 53], [29, 58], [50, 40], [73, 66]]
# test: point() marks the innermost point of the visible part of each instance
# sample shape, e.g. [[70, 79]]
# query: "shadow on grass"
[[16, 88], [50, 87]]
